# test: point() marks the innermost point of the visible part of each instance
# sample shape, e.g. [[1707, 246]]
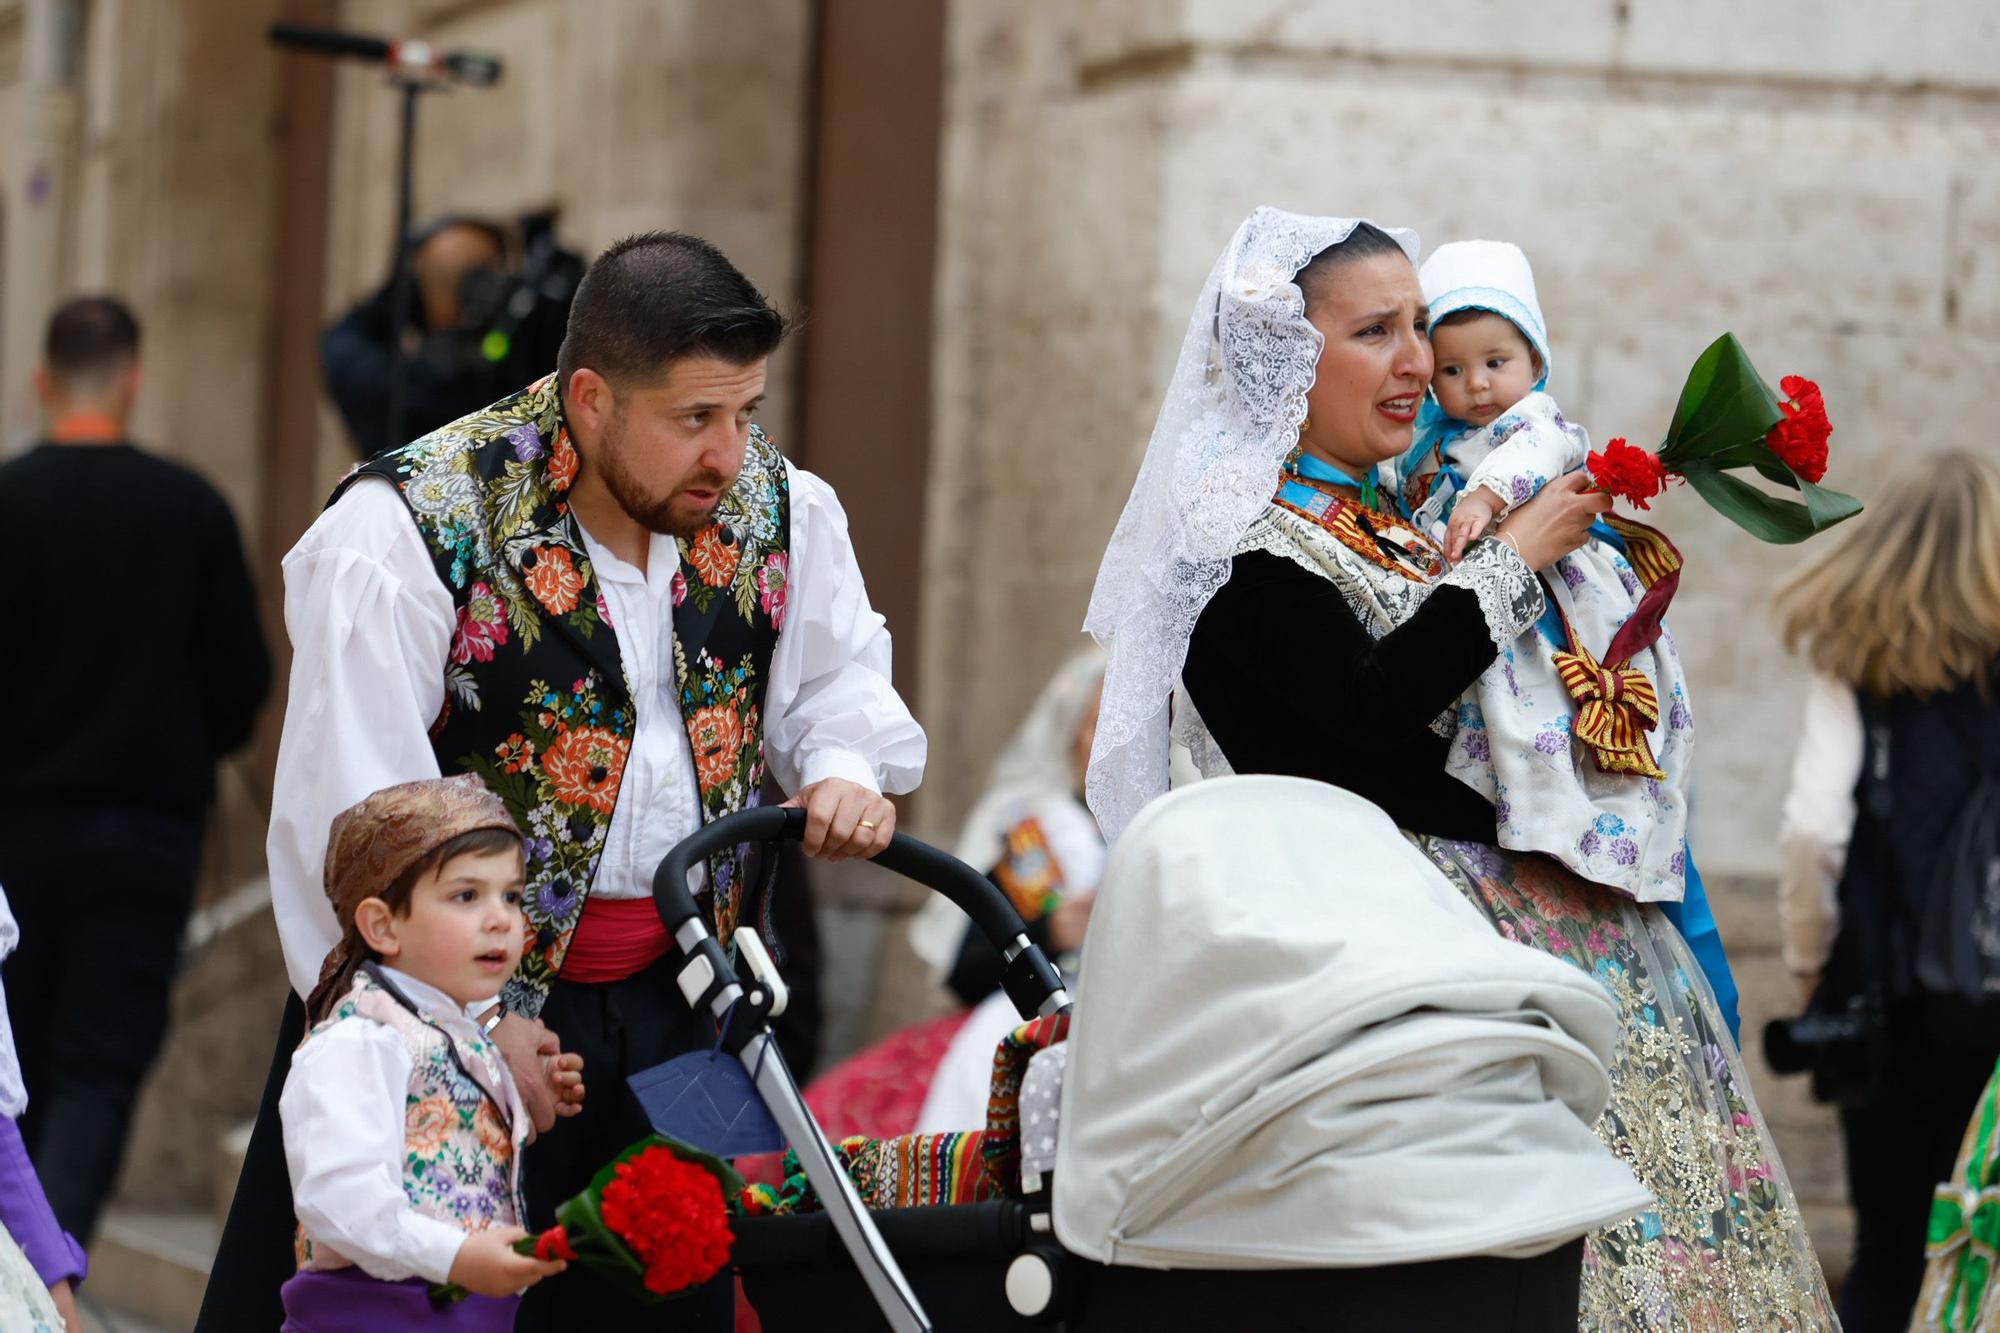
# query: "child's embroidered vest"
[[536, 700], [463, 1126]]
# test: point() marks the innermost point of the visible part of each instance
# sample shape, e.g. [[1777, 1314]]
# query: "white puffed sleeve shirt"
[[371, 625]]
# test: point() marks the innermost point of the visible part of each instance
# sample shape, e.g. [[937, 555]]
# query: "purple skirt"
[[348, 1298]]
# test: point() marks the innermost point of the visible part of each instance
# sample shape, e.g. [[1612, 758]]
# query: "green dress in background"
[[1959, 1294]]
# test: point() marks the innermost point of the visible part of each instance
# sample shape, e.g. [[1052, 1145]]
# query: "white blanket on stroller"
[[1296, 1044]]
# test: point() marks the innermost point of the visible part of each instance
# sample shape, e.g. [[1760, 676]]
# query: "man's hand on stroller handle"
[[844, 820]]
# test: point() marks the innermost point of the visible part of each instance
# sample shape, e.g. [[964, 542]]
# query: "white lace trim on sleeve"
[[1510, 596]]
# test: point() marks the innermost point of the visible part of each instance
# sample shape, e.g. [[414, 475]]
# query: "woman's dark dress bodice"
[[1288, 680]]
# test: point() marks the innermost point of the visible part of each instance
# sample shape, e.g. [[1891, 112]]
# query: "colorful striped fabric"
[[918, 1170], [1651, 555], [1615, 705], [1615, 708]]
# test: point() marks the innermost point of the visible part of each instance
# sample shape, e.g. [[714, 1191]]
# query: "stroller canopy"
[[1296, 1044]]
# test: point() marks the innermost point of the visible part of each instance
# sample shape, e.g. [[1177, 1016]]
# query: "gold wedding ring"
[[868, 824]]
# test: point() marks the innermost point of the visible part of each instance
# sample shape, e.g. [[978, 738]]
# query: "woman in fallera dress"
[[1297, 627]]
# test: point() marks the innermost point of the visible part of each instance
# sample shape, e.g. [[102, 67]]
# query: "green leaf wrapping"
[[1764, 516], [1827, 506], [596, 1246], [1723, 422], [1725, 405]]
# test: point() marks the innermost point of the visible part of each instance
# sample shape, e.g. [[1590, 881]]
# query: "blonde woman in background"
[[1900, 620]]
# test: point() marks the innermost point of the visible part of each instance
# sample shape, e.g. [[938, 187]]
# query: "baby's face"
[[1484, 367]]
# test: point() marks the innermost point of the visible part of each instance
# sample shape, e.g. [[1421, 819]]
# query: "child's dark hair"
[[478, 842]]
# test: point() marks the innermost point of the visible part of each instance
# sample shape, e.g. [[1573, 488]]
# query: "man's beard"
[[656, 515]]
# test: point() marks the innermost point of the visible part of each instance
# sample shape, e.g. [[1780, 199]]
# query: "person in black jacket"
[[480, 326], [134, 661], [1900, 619]]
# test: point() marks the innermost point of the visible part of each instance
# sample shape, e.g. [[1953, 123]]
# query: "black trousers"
[[1899, 1149], [254, 1256], [102, 895], [619, 1028]]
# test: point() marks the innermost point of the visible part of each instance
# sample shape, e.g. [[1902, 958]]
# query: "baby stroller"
[[1175, 1200]]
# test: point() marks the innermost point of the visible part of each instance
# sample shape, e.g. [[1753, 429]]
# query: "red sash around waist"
[[615, 938]]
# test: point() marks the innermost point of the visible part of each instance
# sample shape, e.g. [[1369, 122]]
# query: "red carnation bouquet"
[[654, 1223], [1728, 419]]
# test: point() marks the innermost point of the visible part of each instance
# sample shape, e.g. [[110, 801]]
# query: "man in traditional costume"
[[611, 598]]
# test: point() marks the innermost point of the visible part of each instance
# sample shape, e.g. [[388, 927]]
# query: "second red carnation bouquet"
[[1728, 419], [655, 1222]]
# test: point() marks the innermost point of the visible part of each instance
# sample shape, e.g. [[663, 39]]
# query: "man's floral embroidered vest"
[[536, 699], [462, 1134]]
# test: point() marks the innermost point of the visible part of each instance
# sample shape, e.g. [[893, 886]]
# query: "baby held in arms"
[[1584, 757], [1485, 367]]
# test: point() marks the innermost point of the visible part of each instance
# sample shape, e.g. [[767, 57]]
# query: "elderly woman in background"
[[1319, 636], [1900, 620], [1035, 838]]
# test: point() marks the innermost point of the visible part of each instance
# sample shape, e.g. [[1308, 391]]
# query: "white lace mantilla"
[[1231, 414]]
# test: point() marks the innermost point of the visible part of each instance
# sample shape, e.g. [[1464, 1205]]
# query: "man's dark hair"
[[658, 296], [1365, 242], [90, 336]]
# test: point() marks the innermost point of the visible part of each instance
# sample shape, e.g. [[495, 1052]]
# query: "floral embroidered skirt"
[[1723, 1247]]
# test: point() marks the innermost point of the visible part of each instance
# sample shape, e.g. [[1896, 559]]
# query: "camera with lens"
[[515, 318], [1846, 1050]]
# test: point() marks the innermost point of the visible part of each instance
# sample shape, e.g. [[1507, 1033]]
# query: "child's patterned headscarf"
[[375, 842]]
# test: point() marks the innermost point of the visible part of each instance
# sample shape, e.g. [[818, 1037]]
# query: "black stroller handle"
[[1030, 980]]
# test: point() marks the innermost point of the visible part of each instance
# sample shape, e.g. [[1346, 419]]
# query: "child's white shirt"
[[345, 1141]]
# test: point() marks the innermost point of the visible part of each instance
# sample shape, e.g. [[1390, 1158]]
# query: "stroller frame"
[[743, 1009]]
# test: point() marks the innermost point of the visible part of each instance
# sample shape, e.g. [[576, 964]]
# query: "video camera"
[[516, 318]]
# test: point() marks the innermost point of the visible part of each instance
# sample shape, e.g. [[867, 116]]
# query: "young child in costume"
[[40, 1263], [1613, 808], [403, 1127]]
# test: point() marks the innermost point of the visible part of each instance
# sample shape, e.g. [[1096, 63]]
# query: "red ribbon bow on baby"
[[1615, 708], [1616, 705]]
